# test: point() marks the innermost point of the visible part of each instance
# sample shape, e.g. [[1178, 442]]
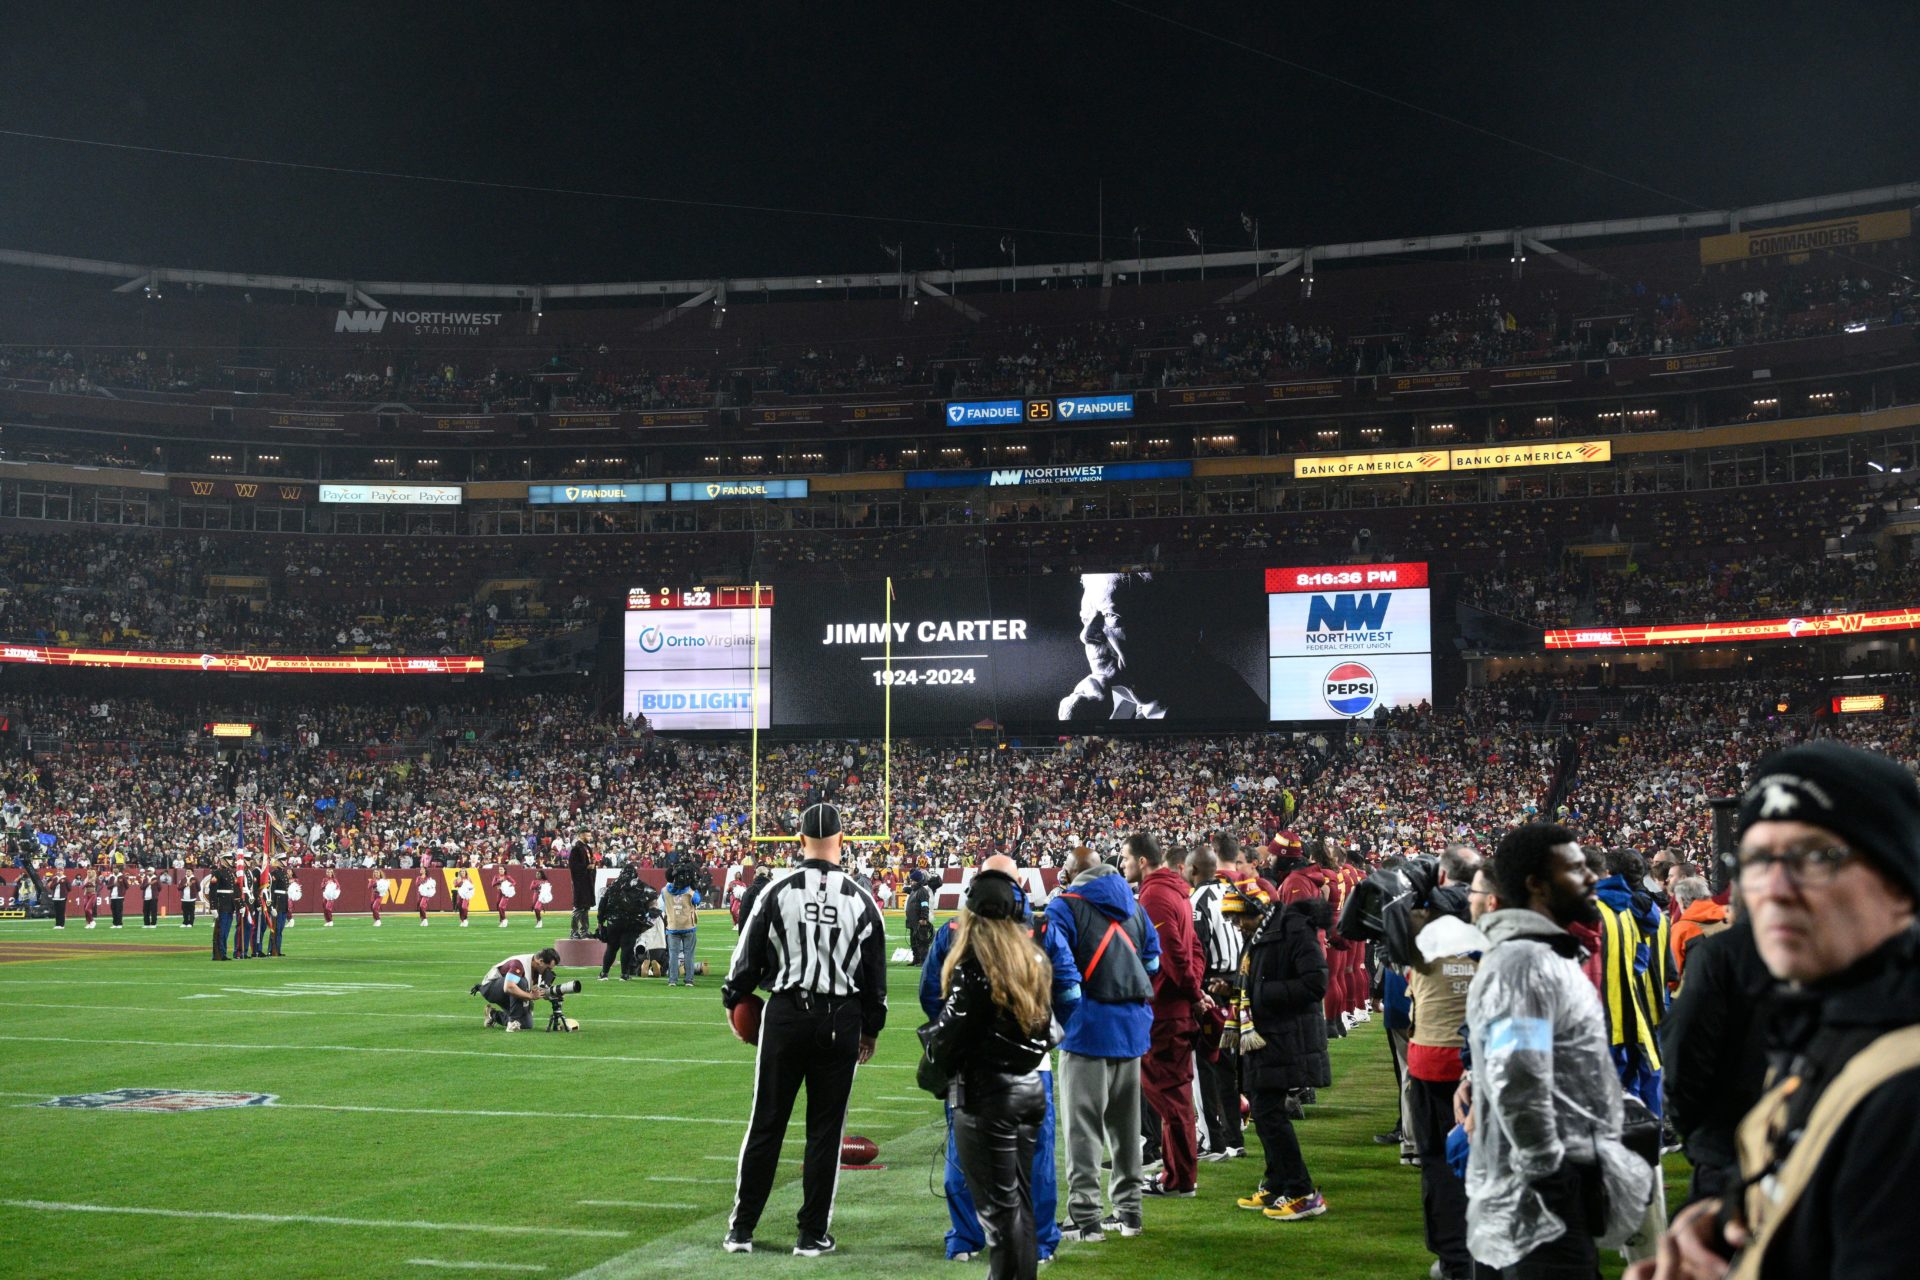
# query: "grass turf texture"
[[645, 1107]]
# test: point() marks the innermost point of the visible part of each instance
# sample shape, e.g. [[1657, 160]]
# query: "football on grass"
[[746, 1019], [856, 1150], [1246, 1108]]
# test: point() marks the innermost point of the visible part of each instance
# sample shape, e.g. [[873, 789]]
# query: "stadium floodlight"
[[886, 750]]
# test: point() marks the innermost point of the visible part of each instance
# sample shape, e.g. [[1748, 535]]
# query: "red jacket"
[[1164, 896]]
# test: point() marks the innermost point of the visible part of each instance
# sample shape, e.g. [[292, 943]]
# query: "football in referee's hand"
[[856, 1150], [745, 1017]]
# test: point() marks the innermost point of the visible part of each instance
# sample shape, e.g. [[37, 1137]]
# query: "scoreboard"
[[688, 654], [1343, 641], [698, 597]]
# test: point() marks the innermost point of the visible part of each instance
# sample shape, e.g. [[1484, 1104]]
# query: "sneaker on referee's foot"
[[1074, 1233], [1115, 1223], [812, 1246], [737, 1244]]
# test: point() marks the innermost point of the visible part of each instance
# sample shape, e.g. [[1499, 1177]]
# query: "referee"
[[816, 941]]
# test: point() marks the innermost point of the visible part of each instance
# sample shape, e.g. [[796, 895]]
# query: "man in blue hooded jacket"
[[1636, 957], [1116, 951], [965, 1239]]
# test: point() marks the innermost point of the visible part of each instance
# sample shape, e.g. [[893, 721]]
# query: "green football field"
[[404, 1140]]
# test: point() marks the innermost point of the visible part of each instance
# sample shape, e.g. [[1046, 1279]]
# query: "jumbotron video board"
[[1345, 641], [1244, 647], [689, 657]]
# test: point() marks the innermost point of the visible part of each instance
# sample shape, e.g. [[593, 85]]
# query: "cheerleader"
[[428, 890], [503, 889], [90, 896], [462, 893], [378, 896], [330, 894], [542, 895]]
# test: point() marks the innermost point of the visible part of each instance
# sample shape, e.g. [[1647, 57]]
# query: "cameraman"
[[625, 910], [513, 985]]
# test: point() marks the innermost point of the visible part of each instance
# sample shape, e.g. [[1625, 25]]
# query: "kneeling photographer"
[[513, 985]]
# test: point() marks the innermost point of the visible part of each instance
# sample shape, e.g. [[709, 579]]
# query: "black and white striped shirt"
[[814, 929], [1219, 937]]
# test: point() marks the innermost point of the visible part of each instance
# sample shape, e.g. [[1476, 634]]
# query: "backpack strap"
[[1772, 1196]]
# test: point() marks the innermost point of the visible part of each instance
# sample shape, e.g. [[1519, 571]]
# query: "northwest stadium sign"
[[1099, 472]]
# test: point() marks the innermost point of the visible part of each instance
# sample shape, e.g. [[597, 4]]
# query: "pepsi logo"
[[1350, 689]]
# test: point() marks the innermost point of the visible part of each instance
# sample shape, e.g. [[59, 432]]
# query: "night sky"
[[945, 125]]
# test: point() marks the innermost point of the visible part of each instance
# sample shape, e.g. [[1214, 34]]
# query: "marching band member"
[[150, 898], [189, 896], [503, 888], [117, 893]]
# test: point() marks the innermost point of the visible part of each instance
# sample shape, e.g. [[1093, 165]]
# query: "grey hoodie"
[[1544, 1091]]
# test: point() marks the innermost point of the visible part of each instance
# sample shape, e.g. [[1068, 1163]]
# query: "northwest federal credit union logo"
[[1350, 689], [1348, 620]]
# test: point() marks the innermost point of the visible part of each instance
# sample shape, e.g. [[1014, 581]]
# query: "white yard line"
[[446, 1265], [435, 1053], [488, 1115], [716, 1023], [314, 1219], [635, 1204]]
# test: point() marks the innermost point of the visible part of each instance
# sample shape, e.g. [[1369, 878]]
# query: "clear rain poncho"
[[1544, 1091]]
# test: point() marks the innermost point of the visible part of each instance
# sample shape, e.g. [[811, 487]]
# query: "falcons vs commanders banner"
[[274, 663], [1820, 626]]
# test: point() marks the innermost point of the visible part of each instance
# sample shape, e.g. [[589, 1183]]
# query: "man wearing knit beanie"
[[1829, 869]]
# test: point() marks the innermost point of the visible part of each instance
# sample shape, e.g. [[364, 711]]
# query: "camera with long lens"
[[556, 995]]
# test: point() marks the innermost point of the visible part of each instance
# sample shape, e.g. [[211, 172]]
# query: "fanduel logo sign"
[[1348, 619]]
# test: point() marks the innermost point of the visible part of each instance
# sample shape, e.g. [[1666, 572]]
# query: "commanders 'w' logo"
[[246, 490], [397, 891], [258, 661], [201, 488]]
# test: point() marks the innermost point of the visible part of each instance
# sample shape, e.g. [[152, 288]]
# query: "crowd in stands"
[[491, 775], [1270, 336], [1760, 585]]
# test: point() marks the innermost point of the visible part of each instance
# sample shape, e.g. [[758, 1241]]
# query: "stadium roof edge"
[[1703, 220]]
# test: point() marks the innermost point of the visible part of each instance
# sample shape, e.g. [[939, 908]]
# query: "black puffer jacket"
[[1286, 982], [974, 1039]]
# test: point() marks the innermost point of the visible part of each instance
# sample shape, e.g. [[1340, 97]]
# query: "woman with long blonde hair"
[[990, 1038]]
